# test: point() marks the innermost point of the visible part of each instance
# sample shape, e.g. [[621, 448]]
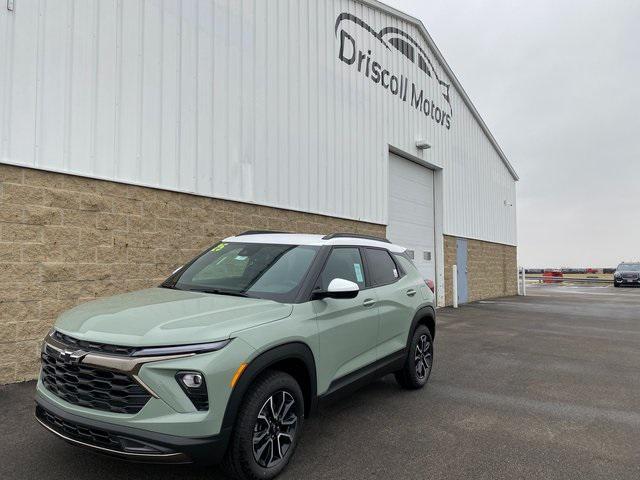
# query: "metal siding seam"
[[293, 120], [280, 162], [242, 101], [196, 130], [68, 102], [118, 92], [270, 99], [354, 177], [39, 89], [227, 100], [332, 114], [15, 127], [311, 186], [213, 101], [254, 89], [346, 158], [323, 107], [96, 82], [161, 94], [7, 72], [140, 119], [296, 117], [178, 125], [335, 120], [266, 151], [286, 143], [204, 98], [307, 184]]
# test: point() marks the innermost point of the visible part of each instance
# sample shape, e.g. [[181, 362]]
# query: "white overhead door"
[[411, 212]]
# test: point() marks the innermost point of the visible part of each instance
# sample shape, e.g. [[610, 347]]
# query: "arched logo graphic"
[[395, 39]]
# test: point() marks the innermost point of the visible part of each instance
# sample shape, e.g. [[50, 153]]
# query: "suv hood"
[[161, 316]]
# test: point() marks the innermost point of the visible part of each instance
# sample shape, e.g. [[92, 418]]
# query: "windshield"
[[249, 269], [629, 267]]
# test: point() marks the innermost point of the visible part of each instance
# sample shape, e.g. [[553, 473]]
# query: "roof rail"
[[355, 235], [258, 232]]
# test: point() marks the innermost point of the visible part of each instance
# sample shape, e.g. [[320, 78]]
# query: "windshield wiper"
[[218, 291]]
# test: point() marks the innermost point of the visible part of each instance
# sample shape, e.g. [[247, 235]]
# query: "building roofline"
[[418, 23]]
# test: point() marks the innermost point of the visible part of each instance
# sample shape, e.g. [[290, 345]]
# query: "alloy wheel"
[[423, 357], [275, 429]]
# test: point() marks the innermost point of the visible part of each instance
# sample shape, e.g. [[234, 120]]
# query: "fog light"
[[194, 386], [191, 380]]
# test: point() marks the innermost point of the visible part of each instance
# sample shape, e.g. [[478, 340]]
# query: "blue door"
[[461, 261]]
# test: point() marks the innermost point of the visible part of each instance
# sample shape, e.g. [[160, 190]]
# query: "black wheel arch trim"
[[289, 351], [422, 313]]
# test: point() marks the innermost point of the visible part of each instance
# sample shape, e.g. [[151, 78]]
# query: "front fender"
[[296, 351]]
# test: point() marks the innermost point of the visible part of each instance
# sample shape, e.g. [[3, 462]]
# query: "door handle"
[[369, 302], [411, 292]]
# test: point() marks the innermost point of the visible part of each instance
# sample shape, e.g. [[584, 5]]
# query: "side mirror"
[[338, 288]]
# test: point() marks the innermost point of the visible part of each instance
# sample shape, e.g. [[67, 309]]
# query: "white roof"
[[308, 239]]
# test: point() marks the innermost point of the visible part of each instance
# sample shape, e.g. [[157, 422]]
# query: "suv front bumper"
[[130, 443]]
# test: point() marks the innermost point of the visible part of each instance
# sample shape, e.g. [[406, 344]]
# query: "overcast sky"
[[558, 84]]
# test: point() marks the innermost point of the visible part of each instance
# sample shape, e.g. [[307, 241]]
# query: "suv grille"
[[93, 346], [92, 387], [92, 436], [96, 436]]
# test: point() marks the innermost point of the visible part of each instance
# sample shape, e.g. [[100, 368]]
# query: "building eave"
[[456, 83]]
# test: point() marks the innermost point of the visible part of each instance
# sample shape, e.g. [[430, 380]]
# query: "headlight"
[[617, 274]]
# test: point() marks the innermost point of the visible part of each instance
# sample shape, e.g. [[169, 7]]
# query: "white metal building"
[[307, 105]]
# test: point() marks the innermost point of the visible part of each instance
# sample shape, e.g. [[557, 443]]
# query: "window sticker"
[[395, 273], [241, 258], [219, 247], [358, 269]]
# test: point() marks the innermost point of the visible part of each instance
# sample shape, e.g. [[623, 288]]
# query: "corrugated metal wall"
[[239, 99]]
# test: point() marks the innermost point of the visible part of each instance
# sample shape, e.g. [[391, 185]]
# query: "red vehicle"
[[552, 276]]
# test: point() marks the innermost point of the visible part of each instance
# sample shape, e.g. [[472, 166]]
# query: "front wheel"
[[417, 367], [267, 429]]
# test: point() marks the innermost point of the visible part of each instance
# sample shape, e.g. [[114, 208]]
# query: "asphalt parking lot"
[[546, 386]]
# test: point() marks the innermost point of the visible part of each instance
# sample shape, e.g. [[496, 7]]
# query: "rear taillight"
[[431, 285]]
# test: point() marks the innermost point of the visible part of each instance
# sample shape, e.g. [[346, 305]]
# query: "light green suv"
[[223, 362]]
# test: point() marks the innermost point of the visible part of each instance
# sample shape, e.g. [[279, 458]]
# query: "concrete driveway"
[[546, 386]]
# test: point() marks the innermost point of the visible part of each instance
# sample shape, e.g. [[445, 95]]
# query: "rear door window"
[[381, 267]]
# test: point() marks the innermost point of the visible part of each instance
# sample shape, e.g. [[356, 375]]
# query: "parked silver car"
[[627, 274]]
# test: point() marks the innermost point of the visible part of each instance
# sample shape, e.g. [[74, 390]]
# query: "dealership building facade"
[[135, 134]]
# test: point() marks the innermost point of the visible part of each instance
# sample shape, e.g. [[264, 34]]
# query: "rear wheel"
[[267, 429], [417, 367]]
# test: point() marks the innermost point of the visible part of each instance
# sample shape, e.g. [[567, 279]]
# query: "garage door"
[[411, 212]]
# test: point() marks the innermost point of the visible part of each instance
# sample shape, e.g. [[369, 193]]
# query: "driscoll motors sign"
[[394, 39]]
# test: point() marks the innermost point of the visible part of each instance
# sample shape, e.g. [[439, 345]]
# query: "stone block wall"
[[492, 269], [65, 240]]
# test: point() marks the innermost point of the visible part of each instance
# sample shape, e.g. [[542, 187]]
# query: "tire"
[[419, 362], [616, 285], [271, 394]]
